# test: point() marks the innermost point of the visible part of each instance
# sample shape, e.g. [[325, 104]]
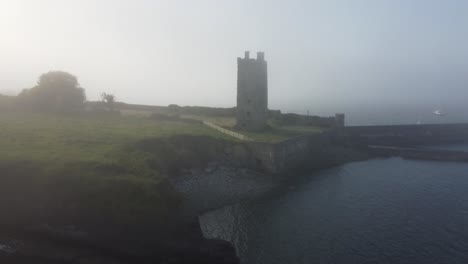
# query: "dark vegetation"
[[57, 92]]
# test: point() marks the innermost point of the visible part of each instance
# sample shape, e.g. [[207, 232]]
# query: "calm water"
[[378, 211], [456, 147]]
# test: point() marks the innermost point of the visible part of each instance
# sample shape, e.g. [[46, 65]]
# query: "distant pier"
[[419, 153], [409, 141]]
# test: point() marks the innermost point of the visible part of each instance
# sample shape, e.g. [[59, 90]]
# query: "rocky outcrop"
[[216, 186]]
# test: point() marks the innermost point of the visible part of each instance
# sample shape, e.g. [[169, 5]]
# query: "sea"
[[388, 210]]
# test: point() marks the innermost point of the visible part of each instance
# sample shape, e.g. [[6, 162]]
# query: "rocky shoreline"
[[202, 174], [203, 189], [216, 186]]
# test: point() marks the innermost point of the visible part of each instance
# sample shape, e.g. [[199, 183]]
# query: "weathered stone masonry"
[[252, 92]]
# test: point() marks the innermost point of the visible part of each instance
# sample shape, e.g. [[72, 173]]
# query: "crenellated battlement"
[[260, 57]]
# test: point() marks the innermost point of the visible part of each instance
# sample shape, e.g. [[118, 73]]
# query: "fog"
[[323, 56]]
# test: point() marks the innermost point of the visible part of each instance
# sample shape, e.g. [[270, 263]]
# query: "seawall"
[[244, 170], [288, 155], [405, 135], [420, 153]]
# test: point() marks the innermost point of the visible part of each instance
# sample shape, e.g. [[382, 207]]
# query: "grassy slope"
[[280, 133], [93, 163], [274, 134], [91, 139], [76, 164]]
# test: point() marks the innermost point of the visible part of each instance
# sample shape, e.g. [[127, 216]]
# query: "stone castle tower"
[[252, 92]]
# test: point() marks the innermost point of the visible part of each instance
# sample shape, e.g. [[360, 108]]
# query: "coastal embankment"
[[154, 220], [132, 189], [408, 141], [405, 135], [153, 216], [420, 153], [236, 171]]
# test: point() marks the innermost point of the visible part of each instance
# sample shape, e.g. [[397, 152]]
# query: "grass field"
[[105, 140], [276, 134], [136, 113], [96, 163], [273, 134], [87, 162], [59, 138], [223, 121]]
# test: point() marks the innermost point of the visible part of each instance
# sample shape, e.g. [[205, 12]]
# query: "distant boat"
[[439, 113]]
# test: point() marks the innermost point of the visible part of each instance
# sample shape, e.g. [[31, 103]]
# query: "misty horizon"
[[324, 57]]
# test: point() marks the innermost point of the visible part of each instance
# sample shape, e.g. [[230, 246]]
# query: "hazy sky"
[[323, 56]]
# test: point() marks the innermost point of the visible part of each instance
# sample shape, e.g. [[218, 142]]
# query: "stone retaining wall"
[[290, 154]]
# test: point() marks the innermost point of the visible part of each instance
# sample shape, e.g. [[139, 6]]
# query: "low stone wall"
[[227, 132]]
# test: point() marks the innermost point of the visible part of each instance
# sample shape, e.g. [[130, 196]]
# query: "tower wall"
[[252, 92]]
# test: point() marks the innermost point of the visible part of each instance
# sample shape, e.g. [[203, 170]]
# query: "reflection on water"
[[378, 211], [7, 248]]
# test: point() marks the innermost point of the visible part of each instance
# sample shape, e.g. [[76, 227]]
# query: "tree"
[[56, 91], [109, 100]]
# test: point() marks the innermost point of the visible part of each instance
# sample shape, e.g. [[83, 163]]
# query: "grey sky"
[[324, 56]]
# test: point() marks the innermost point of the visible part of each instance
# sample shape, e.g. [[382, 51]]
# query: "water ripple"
[[377, 211]]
